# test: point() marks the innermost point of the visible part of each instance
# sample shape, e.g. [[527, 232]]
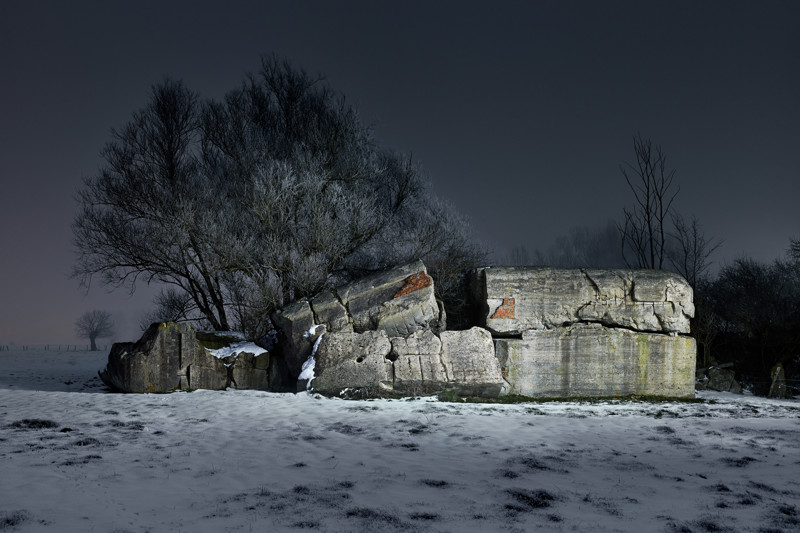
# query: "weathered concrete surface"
[[470, 363], [515, 299], [328, 310], [422, 363], [247, 371], [417, 364], [168, 357], [353, 360], [398, 301], [592, 360], [213, 340]]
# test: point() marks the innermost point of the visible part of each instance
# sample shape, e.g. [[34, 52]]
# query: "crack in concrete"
[[592, 283], [314, 316]]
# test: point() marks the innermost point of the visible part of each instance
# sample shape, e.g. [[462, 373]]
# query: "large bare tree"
[[644, 231], [143, 216], [243, 205], [94, 325]]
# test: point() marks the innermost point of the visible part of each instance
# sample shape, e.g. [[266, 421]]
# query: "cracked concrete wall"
[[167, 357], [353, 360], [589, 332], [422, 363], [516, 299], [417, 363], [594, 360], [399, 302]]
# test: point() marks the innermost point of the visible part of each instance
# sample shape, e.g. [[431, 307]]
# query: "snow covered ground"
[[76, 458]]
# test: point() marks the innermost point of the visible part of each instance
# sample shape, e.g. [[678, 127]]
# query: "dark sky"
[[521, 113]]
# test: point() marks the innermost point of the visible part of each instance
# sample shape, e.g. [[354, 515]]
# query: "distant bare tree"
[[644, 232], [94, 325], [690, 250]]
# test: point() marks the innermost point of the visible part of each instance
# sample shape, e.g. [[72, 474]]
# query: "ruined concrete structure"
[[172, 356], [167, 357], [589, 332], [541, 332]]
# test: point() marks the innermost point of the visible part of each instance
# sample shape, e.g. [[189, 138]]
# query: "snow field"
[[76, 458]]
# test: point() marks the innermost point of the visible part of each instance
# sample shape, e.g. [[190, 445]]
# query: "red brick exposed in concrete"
[[506, 309], [413, 283]]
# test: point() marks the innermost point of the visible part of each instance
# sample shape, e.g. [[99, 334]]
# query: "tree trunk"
[[94, 345]]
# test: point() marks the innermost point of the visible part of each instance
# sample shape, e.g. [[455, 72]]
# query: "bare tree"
[[690, 250], [644, 232], [94, 325], [171, 305], [146, 215]]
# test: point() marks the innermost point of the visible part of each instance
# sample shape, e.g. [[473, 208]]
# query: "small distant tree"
[[644, 232], [94, 325]]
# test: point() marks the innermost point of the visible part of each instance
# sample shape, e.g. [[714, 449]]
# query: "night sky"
[[520, 112]]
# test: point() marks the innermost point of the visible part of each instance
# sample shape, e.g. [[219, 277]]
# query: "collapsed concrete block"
[[593, 360], [167, 357], [328, 310], [470, 364], [398, 301], [516, 299], [247, 371], [417, 363], [346, 360]]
